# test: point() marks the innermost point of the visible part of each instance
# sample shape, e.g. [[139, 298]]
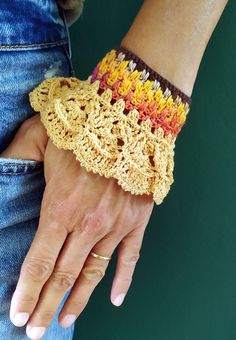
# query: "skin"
[[82, 211]]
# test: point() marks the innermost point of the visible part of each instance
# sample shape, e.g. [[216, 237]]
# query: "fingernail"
[[118, 300], [20, 319], [35, 333], [68, 320]]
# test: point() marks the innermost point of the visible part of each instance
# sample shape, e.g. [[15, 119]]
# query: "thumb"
[[29, 141]]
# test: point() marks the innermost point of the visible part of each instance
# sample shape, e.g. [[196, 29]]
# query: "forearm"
[[171, 36]]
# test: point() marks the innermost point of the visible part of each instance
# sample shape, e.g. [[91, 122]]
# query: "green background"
[[184, 286]]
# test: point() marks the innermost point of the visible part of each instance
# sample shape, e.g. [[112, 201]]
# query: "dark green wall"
[[184, 287]]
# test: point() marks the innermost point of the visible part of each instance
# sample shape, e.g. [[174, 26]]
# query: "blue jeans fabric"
[[34, 45]]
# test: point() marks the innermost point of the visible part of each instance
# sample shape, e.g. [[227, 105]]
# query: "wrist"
[[143, 89], [180, 70], [121, 122]]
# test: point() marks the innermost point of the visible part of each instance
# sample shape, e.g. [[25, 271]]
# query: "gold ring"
[[100, 257]]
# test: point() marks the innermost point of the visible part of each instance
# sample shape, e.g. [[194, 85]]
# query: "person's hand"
[[80, 212]]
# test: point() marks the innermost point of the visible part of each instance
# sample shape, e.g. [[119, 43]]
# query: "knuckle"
[[27, 300], [77, 305], [37, 269], [126, 280], [95, 223], [47, 315], [60, 212], [56, 209], [93, 274], [63, 280], [131, 259]]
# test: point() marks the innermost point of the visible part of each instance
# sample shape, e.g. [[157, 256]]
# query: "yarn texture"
[[107, 135]]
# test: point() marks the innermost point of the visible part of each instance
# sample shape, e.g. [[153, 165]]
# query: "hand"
[[80, 212]]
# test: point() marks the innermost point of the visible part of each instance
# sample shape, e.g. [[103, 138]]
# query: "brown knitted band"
[[153, 75]]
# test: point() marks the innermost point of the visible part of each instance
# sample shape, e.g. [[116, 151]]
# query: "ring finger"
[[91, 274]]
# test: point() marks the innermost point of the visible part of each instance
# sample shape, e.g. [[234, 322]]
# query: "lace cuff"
[[121, 122]]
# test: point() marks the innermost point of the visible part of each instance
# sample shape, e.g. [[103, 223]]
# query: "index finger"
[[37, 267]]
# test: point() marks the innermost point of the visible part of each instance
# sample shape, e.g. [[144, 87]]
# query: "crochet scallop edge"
[[105, 139]]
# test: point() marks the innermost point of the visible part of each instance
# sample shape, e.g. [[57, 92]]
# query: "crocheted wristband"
[[121, 122]]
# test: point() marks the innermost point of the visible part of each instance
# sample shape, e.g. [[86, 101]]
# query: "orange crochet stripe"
[[143, 89]]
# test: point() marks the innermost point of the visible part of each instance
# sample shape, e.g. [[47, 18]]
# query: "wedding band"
[[100, 257]]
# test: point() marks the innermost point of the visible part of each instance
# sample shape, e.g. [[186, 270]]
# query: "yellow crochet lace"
[[105, 139]]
